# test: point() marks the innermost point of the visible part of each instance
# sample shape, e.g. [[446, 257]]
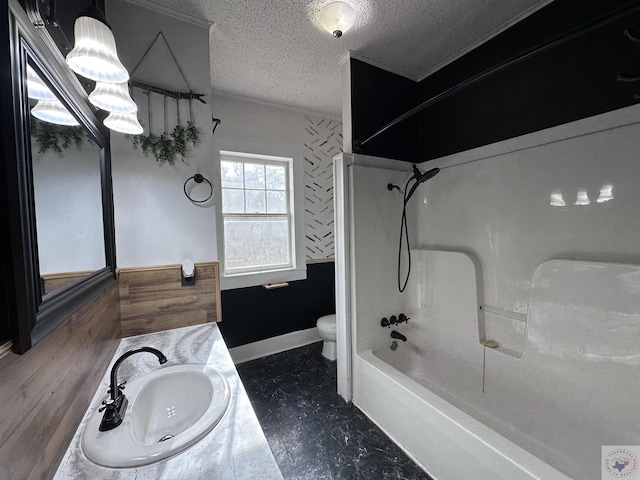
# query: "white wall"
[[319, 138], [497, 202], [68, 203], [155, 222], [376, 229]]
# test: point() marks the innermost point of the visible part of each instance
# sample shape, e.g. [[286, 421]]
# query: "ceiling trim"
[[378, 64], [281, 106], [172, 12], [487, 37]]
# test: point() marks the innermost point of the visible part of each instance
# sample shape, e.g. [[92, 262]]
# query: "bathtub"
[[447, 442]]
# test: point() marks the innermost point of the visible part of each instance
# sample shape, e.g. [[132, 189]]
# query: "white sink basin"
[[169, 410]]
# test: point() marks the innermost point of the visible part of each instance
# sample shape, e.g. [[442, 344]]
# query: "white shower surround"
[[496, 204]]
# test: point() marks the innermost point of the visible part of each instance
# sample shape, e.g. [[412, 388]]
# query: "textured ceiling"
[[274, 51]]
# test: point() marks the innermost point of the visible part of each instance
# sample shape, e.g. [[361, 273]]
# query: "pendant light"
[[36, 88], [123, 123], [337, 17], [113, 97], [94, 55], [53, 111]]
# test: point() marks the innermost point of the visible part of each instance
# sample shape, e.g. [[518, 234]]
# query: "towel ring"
[[198, 178]]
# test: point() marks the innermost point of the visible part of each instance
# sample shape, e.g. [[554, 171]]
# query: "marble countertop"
[[235, 449]]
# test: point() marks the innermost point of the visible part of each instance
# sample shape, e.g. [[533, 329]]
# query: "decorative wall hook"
[[216, 122]]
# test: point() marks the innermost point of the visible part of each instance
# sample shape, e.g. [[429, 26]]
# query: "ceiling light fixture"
[[113, 97], [53, 111], [337, 17], [124, 123], [36, 88], [94, 55]]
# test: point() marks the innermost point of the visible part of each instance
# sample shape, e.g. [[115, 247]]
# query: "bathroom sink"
[[169, 410]]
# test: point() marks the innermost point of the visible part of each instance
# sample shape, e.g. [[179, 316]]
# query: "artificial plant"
[[167, 146], [50, 136]]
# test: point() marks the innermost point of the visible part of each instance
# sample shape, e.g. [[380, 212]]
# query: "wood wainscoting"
[[53, 281], [46, 391], [153, 299]]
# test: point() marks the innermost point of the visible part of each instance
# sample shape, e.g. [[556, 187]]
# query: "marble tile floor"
[[312, 432]]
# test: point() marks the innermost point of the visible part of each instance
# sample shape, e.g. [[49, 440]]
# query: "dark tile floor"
[[312, 432]]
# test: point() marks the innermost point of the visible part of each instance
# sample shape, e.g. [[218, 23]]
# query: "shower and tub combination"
[[521, 358]]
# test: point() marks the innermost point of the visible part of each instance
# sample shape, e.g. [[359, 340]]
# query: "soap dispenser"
[[188, 274]]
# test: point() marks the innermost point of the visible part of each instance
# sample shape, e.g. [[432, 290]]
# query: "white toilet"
[[327, 330]]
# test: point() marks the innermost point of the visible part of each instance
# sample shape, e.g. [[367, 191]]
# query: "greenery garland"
[[166, 147], [50, 136]]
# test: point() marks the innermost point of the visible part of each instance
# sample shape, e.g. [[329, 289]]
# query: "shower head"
[[420, 177]]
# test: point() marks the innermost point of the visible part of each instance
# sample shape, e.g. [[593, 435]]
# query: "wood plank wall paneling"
[[152, 299], [46, 391], [53, 281]]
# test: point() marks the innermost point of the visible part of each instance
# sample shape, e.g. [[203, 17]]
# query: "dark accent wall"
[[377, 97], [575, 79], [253, 314], [45, 392]]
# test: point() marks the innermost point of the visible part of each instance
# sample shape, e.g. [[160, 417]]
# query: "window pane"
[[276, 178], [276, 202], [232, 201], [231, 174], [253, 175], [255, 201], [256, 242]]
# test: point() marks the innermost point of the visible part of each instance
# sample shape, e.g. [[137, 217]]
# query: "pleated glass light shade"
[[94, 55], [36, 88], [113, 97], [123, 123], [53, 111]]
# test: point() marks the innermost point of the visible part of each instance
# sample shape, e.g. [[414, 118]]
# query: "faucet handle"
[[105, 403], [120, 387]]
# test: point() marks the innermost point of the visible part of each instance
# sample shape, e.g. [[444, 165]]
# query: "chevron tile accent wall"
[[323, 141]]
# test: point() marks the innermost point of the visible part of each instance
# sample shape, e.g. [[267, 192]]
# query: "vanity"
[[236, 448]]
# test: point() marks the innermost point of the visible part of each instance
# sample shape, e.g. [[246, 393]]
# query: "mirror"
[[65, 162], [60, 193]]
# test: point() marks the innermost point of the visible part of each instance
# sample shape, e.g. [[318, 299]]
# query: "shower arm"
[[403, 189]]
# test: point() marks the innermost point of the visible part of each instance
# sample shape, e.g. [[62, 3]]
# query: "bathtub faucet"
[[397, 335]]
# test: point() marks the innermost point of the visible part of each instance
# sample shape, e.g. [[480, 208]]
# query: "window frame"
[[262, 152]]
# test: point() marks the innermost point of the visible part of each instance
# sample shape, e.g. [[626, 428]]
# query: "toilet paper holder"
[[188, 273]]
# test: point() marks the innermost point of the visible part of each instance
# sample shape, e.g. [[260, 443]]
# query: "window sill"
[[244, 280]]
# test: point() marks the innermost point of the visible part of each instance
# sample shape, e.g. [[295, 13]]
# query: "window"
[[258, 219]]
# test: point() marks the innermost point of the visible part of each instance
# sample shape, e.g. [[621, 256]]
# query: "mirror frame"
[[37, 314]]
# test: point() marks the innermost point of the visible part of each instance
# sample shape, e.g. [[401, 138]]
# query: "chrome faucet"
[[397, 335], [116, 407]]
